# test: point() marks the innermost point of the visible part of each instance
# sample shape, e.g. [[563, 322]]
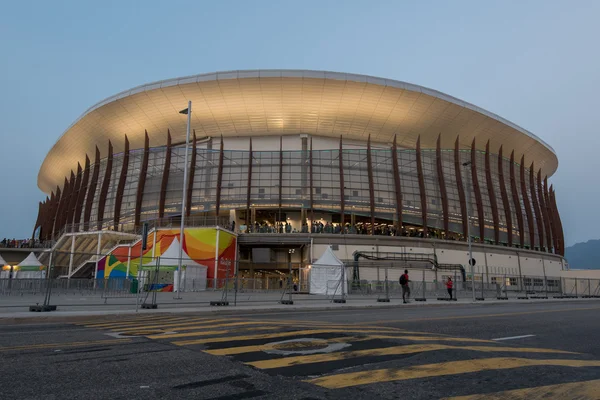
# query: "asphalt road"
[[517, 351]]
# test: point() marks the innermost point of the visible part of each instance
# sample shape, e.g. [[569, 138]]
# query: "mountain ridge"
[[584, 255]]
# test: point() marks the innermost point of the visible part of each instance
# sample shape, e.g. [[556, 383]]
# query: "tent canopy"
[[328, 259], [170, 258], [31, 263], [326, 274], [2, 262]]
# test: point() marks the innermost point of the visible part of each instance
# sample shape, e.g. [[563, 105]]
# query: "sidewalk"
[[20, 313]]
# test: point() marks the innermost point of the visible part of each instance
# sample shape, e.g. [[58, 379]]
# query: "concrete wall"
[[581, 274], [490, 260]]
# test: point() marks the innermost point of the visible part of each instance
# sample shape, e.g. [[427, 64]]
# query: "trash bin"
[[134, 286]]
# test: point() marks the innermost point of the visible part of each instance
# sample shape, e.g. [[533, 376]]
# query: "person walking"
[[405, 288], [449, 285]]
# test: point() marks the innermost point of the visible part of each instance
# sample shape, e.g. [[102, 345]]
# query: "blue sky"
[[535, 63]]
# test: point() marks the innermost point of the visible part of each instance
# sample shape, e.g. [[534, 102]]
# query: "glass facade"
[[281, 183]]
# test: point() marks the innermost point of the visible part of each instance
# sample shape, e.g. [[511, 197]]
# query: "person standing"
[[449, 285], [405, 288]]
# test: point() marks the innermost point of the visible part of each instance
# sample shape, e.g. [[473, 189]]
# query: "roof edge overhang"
[[290, 73]]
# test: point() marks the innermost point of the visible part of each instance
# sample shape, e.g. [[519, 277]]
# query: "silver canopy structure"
[[287, 102]]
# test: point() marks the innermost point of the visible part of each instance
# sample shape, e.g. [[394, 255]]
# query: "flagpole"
[[187, 111]]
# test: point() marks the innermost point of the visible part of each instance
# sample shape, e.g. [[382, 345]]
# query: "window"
[[553, 283]]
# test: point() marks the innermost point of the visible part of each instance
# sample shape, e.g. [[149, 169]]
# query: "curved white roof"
[[286, 102]]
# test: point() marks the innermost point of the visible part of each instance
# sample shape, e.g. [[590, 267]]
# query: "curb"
[[99, 316]]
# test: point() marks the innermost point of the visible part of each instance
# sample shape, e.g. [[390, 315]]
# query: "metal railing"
[[128, 227]]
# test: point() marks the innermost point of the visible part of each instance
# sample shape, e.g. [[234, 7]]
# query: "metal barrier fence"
[[501, 286], [84, 287], [331, 283]]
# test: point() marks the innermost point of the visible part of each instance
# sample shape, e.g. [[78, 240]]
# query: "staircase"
[[74, 252]]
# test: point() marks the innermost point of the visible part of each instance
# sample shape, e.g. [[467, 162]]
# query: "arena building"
[[294, 161]]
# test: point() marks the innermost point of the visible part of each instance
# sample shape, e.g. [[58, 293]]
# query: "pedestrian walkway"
[[340, 356], [76, 307]]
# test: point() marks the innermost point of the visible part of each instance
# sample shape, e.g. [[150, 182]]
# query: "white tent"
[[194, 274], [3, 274], [326, 275], [30, 268]]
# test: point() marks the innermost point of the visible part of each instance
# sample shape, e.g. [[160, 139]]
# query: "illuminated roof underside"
[[286, 102]]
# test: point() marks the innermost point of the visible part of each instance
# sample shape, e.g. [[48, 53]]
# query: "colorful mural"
[[198, 243]]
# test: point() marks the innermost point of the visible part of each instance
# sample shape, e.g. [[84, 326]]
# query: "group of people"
[[278, 227], [336, 228], [18, 244], [404, 284]]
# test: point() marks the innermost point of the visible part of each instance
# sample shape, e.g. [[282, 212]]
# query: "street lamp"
[[471, 263], [188, 112]]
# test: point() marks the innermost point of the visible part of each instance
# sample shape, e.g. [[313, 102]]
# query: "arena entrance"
[[262, 267]]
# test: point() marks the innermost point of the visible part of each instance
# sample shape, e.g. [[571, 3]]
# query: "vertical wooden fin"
[[397, 186], [442, 183], [477, 191], [165, 177], [461, 188], [505, 201], [89, 201], [121, 186], [491, 194], [190, 186], [104, 188], [142, 181]]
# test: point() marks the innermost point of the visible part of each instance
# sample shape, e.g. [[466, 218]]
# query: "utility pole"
[[188, 112]]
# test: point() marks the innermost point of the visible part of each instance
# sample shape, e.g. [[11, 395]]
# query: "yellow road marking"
[[297, 332], [328, 325], [115, 320], [65, 344], [259, 336], [190, 324], [209, 333], [109, 325], [228, 351], [125, 324], [373, 335], [434, 338], [441, 369], [123, 319], [478, 316], [387, 351], [573, 390], [207, 324]]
